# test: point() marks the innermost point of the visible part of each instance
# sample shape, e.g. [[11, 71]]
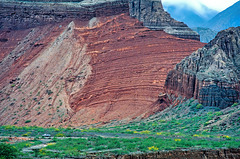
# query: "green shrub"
[[49, 92], [27, 134], [4, 140], [199, 106], [27, 121], [59, 135], [235, 104], [9, 127], [218, 113], [7, 151], [56, 129]]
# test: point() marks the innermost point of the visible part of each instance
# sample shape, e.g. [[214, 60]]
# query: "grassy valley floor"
[[188, 126]]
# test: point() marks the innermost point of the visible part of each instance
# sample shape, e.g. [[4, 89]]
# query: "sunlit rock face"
[[211, 74], [86, 72], [153, 16]]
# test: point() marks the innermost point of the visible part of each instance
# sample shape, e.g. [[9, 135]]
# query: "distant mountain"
[[225, 19], [190, 16], [206, 34]]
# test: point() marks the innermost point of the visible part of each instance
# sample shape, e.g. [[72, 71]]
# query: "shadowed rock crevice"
[[221, 96]]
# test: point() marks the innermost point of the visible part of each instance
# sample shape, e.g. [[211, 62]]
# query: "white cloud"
[[198, 5]]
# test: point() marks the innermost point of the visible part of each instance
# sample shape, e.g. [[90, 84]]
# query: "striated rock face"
[[85, 72], [189, 154], [21, 14], [211, 74], [153, 16]]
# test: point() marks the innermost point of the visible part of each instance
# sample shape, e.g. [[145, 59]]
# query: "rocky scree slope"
[[211, 74], [85, 72]]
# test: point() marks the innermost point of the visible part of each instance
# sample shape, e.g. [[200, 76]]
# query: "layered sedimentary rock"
[[153, 16], [189, 154], [21, 14], [85, 72], [211, 74]]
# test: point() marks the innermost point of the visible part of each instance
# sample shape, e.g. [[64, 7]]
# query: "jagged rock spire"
[[153, 16]]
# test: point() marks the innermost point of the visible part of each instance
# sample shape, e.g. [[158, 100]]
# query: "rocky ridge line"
[[153, 16], [21, 15], [18, 14], [211, 74]]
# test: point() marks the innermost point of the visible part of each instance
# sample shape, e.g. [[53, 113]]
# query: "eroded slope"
[[88, 72]]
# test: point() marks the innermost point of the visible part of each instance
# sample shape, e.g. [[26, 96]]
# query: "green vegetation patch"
[[8, 151], [188, 125], [77, 147]]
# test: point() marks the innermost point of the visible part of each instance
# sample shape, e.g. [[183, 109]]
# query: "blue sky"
[[198, 5]]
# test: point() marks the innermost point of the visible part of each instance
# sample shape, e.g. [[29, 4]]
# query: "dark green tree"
[[8, 151]]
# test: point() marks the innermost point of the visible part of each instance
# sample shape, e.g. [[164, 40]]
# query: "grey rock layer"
[[22, 15], [153, 16], [19, 14], [212, 73]]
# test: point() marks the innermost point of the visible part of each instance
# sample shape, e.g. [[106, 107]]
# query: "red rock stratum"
[[77, 73]]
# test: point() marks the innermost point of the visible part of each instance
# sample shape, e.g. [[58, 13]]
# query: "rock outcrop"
[[21, 14], [153, 16], [86, 72], [211, 74], [189, 154]]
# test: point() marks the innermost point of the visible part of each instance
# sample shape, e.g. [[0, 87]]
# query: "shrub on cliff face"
[[199, 106], [28, 121], [235, 104], [7, 151]]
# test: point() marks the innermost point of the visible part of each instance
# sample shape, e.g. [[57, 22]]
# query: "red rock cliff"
[[85, 72]]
